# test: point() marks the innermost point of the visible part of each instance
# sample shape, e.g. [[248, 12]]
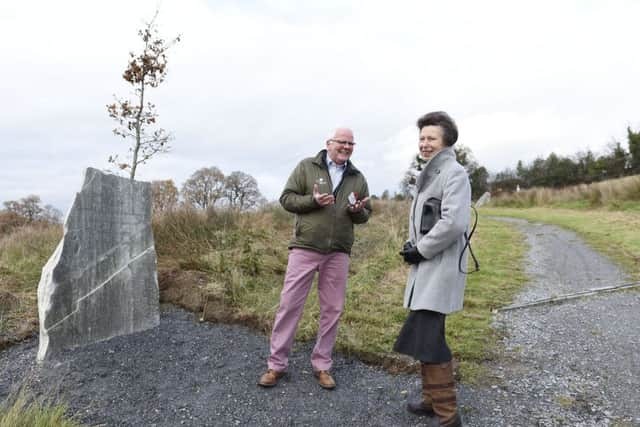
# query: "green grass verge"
[[374, 314], [500, 250], [614, 233]]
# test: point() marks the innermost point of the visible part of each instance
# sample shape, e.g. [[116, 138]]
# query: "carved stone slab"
[[101, 281]]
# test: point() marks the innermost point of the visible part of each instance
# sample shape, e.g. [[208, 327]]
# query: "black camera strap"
[[467, 244]]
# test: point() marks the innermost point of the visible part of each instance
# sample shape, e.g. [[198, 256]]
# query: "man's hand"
[[358, 205], [410, 254], [323, 199]]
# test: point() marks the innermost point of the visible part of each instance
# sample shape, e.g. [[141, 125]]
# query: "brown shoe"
[[325, 380], [270, 378]]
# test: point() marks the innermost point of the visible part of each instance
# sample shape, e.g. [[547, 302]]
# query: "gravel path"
[[574, 364]]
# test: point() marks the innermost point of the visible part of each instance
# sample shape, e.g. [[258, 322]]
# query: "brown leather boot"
[[270, 378], [442, 387], [423, 405]]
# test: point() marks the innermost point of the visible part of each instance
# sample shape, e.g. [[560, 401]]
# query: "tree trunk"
[[134, 162]]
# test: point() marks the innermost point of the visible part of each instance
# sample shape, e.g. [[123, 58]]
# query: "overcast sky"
[[257, 85]]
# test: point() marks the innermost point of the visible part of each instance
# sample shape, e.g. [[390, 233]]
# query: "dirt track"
[[575, 364]]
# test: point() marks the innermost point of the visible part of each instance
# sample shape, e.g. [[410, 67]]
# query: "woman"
[[438, 219]]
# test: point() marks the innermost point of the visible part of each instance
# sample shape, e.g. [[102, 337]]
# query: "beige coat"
[[436, 283]]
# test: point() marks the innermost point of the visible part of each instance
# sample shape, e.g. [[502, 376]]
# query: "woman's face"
[[431, 141]]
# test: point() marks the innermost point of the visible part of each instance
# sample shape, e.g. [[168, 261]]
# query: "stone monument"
[[483, 200], [101, 281]]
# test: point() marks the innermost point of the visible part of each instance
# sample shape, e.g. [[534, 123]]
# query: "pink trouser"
[[333, 269]]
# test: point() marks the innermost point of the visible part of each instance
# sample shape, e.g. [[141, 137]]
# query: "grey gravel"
[[186, 373], [570, 364]]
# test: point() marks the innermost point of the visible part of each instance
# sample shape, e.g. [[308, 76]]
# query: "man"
[[328, 195]]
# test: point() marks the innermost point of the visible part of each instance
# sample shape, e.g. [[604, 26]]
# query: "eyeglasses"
[[349, 143]]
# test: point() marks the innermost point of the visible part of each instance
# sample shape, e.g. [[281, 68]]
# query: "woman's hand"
[[410, 254]]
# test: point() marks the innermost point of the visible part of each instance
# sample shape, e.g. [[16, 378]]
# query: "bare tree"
[[408, 183], [137, 119], [241, 191], [464, 156], [51, 214], [28, 208], [204, 188], [164, 196]]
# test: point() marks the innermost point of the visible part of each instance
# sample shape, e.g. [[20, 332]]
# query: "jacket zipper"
[[332, 231]]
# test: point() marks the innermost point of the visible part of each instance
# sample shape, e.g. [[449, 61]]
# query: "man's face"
[[431, 141], [339, 150]]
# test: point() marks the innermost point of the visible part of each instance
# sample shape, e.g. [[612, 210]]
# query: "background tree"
[[465, 157], [137, 118], [26, 211], [241, 190], [506, 180], [51, 214], [634, 150], [408, 183], [478, 175], [479, 182], [586, 167], [204, 188], [616, 160], [164, 196], [28, 208]]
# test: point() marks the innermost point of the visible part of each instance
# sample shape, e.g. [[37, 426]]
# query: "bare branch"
[[137, 118]]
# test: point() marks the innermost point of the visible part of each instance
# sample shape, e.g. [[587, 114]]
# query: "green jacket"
[[330, 228]]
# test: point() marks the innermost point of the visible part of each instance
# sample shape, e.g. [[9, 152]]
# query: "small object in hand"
[[353, 198]]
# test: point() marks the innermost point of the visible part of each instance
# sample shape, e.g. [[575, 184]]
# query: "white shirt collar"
[[332, 164]]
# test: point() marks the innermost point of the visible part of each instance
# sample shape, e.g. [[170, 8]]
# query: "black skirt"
[[422, 337]]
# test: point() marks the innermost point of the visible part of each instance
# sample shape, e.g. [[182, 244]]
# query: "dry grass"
[[622, 193], [23, 252], [22, 411]]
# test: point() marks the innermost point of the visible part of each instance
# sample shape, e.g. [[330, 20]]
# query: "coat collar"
[[433, 166], [321, 160]]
